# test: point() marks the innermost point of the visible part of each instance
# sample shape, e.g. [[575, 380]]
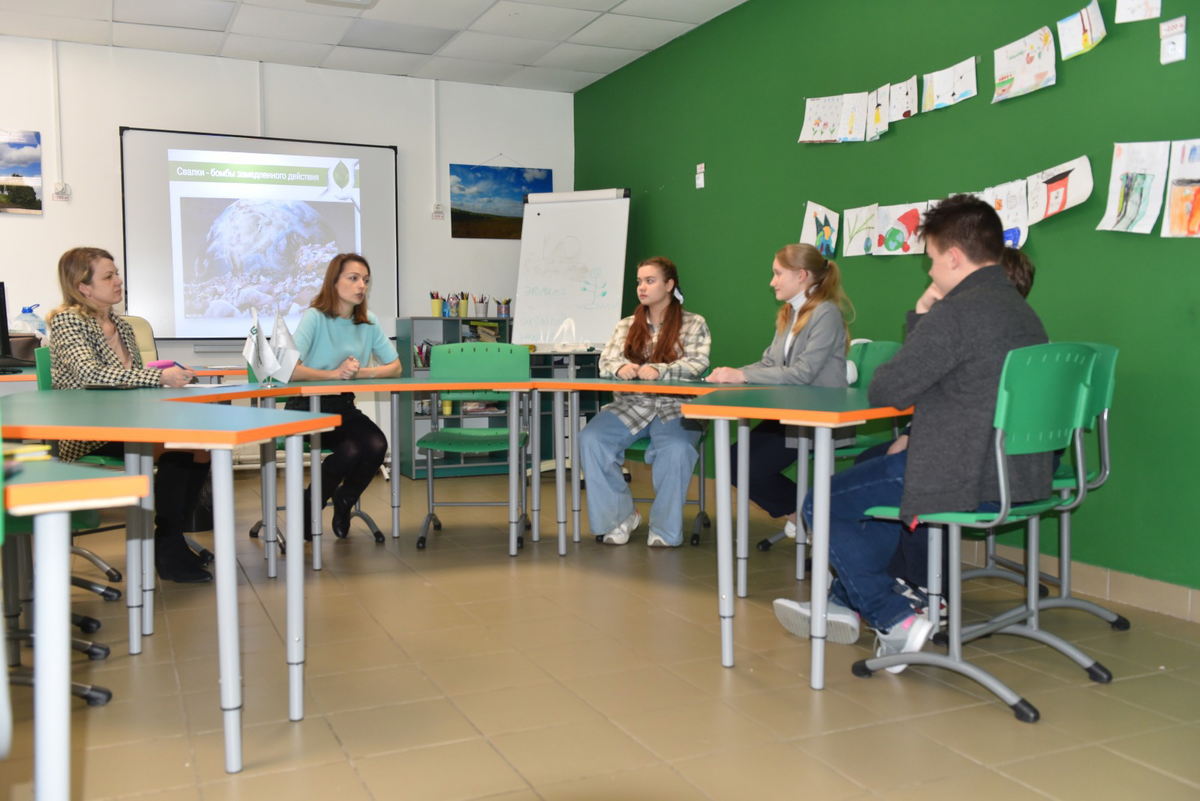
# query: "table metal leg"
[[535, 466], [295, 575], [394, 472], [228, 649], [314, 472], [134, 523], [514, 479], [822, 472], [52, 667], [576, 468], [560, 472], [724, 541], [148, 575], [270, 498], [803, 448], [743, 505]]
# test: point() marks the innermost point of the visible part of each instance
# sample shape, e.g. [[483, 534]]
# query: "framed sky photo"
[[488, 202], [20, 172]]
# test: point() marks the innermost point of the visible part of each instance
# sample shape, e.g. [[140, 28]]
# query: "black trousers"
[[769, 457]]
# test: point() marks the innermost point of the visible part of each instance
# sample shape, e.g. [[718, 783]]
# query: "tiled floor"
[[460, 673]]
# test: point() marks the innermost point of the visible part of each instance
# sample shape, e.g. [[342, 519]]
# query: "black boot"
[[343, 507], [171, 554], [197, 477]]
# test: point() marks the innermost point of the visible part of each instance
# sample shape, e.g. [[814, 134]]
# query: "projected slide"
[[256, 231]]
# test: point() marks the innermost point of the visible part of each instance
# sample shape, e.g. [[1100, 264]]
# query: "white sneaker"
[[620, 534], [841, 623], [789, 529], [906, 637], [655, 541]]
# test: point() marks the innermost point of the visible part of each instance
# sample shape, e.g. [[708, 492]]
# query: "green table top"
[[814, 406]]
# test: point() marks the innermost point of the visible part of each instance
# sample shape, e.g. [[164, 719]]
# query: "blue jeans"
[[860, 548], [672, 455]]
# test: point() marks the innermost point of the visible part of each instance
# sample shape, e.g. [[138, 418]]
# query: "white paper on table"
[[946, 87], [859, 230], [896, 230], [1182, 214], [1135, 10], [820, 229], [1059, 188], [1082, 31], [822, 118], [1025, 66], [1012, 204], [878, 111], [853, 124], [902, 100], [1135, 189]]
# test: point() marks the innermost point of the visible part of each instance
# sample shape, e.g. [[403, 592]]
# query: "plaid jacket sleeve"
[[79, 354], [612, 358]]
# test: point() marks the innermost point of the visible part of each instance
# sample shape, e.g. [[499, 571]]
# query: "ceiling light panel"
[[208, 15], [631, 33], [532, 21], [391, 36]]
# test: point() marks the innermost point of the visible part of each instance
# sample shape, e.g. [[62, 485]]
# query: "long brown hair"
[[75, 267], [327, 300], [669, 347], [827, 285]]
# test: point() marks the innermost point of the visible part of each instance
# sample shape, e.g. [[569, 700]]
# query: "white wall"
[[104, 88]]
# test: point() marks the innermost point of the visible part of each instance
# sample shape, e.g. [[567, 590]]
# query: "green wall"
[[731, 94]]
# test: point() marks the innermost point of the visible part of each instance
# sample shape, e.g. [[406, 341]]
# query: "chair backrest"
[[41, 358], [1042, 400], [1103, 381], [479, 361], [144, 334], [867, 357]]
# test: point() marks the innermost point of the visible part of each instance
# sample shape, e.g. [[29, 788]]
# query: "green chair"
[[1099, 403], [472, 361], [1041, 407]]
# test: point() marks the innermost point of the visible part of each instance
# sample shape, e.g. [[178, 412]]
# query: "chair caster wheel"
[[1043, 591], [764, 545], [437, 525], [97, 652], [1025, 711], [1099, 673], [600, 538], [88, 625], [114, 575], [695, 540], [97, 696], [861, 670], [257, 527], [111, 594], [520, 542], [378, 536], [940, 639], [420, 543], [1120, 624]]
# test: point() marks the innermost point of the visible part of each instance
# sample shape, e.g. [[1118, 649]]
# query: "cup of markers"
[[504, 307], [435, 304], [481, 305]]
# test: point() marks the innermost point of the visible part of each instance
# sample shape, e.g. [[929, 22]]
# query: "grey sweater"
[[949, 370], [817, 357]]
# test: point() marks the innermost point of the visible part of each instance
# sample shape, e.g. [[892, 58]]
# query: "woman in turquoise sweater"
[[337, 337]]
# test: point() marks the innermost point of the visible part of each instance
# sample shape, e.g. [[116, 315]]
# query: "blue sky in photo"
[[21, 153], [495, 190]]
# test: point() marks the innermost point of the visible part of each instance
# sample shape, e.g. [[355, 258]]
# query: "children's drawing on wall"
[[949, 86], [1081, 32], [820, 229], [1025, 66], [878, 110], [1135, 188], [1182, 217], [1059, 188], [896, 230], [1012, 204], [822, 119], [859, 230], [903, 100], [853, 124], [489, 202], [1135, 10], [20, 172]]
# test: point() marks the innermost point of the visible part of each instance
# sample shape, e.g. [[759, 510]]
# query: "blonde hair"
[[75, 267], [827, 285]]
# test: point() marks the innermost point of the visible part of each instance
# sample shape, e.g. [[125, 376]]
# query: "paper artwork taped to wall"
[[1081, 32], [1182, 216], [853, 125], [1135, 188], [903, 100], [946, 87], [820, 229], [822, 119], [1025, 66], [896, 230], [1059, 188], [1136, 10], [878, 111], [1012, 204], [859, 236]]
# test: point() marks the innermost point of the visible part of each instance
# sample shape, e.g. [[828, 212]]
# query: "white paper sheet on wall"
[[822, 119], [1182, 214], [1012, 204], [1135, 10], [1059, 188], [859, 230], [853, 125], [878, 111], [896, 230], [903, 100], [1082, 31], [946, 87], [1135, 188], [1024, 66]]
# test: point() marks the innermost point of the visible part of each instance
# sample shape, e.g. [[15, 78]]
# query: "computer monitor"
[[6, 355]]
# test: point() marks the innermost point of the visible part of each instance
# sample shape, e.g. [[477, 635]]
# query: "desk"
[[822, 408], [49, 491], [140, 419]]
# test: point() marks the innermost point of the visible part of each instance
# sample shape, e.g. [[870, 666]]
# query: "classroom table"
[[143, 417], [821, 408], [49, 491]]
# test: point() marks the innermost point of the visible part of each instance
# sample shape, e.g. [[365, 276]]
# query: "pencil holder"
[[462, 308], [481, 308], [451, 309], [503, 309], [435, 307], [447, 408]]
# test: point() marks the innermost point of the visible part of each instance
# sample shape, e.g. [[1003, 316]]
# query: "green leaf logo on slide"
[[341, 174]]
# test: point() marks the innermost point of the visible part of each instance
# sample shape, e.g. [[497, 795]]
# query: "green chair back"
[[41, 358], [479, 361], [1104, 374], [1043, 396], [867, 357]]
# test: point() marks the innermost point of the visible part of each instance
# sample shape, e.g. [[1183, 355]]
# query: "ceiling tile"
[[209, 15], [384, 62], [272, 23], [586, 58], [696, 11], [276, 51], [586, 5], [173, 40], [550, 80], [377, 35], [536, 22], [63, 29], [464, 71], [505, 49], [306, 7], [633, 33], [80, 9], [431, 13]]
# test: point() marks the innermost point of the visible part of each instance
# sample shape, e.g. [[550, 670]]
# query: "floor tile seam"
[[668, 765], [1108, 746], [1169, 719]]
